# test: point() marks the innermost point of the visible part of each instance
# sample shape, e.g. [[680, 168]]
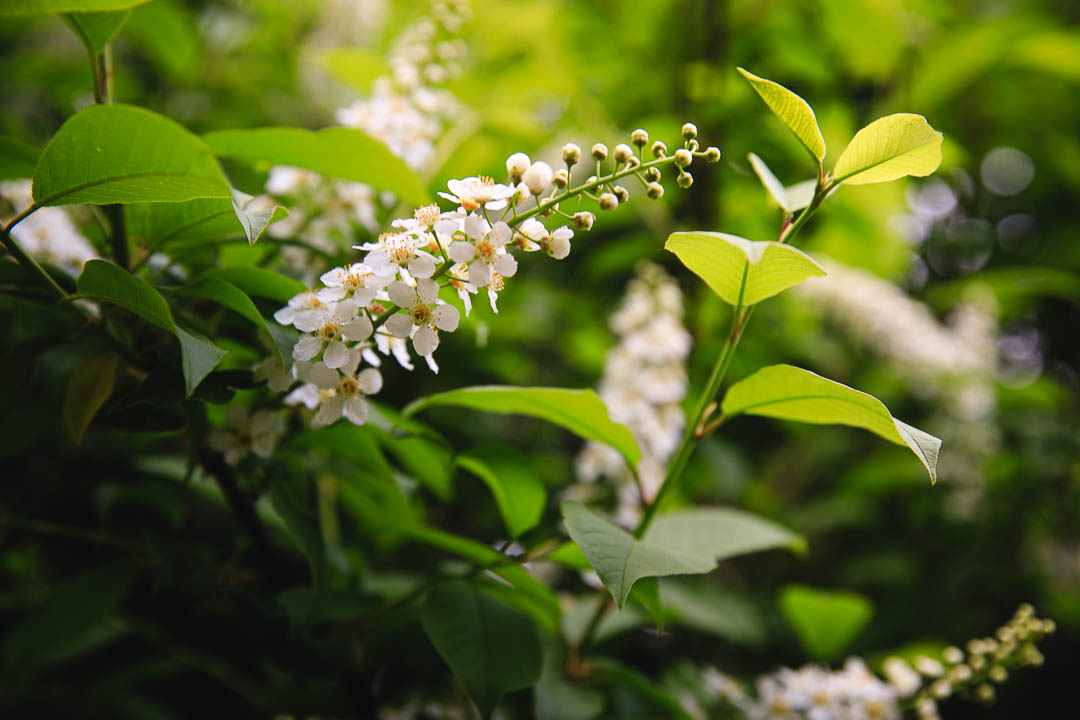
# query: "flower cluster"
[[643, 386], [390, 300], [258, 433], [48, 235]]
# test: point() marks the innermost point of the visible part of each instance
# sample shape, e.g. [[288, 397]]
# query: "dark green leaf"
[[259, 282], [230, 296], [17, 158], [518, 492], [492, 648], [87, 390]]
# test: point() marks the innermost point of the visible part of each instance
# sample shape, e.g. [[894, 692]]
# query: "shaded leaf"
[[87, 390], [557, 696], [792, 110], [685, 542], [771, 182], [791, 393], [580, 411], [491, 647], [230, 296], [17, 158], [122, 154], [721, 259], [260, 282], [103, 280], [889, 148], [335, 152], [826, 622], [518, 492]]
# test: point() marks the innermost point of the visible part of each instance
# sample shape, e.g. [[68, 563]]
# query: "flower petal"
[[425, 341], [336, 354], [308, 320], [358, 329], [399, 325], [427, 290], [446, 317], [502, 232], [346, 310], [356, 410], [475, 227], [460, 251], [480, 274], [323, 377], [329, 412], [369, 381], [421, 266], [506, 265], [307, 347], [401, 294]]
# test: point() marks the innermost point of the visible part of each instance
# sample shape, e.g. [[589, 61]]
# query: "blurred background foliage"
[[130, 592]]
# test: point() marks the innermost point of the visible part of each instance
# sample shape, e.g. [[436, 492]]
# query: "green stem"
[[739, 318], [29, 263]]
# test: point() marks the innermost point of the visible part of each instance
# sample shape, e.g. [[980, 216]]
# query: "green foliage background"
[[130, 590]]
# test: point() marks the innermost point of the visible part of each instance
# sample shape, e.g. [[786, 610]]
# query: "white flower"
[[473, 192], [424, 313], [398, 251], [307, 300], [555, 243], [464, 288], [272, 370], [516, 165], [537, 177], [286, 180], [344, 392], [487, 251], [258, 434], [358, 281], [330, 328], [388, 344]]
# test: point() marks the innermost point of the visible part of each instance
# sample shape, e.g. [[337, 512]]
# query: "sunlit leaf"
[[684, 542], [721, 260], [493, 648], [518, 492], [87, 390], [335, 152], [826, 622], [792, 110], [102, 280], [889, 148], [122, 154], [771, 182], [791, 393], [43, 7], [580, 411]]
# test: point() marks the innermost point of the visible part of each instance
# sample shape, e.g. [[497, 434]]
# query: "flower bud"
[[683, 158], [689, 131], [608, 201], [712, 154], [639, 137], [622, 193], [654, 190], [583, 220], [652, 174], [560, 179], [952, 655], [590, 181], [659, 149], [537, 177], [571, 154], [633, 161], [516, 164], [685, 180], [692, 145], [623, 153], [599, 151], [521, 194], [985, 693]]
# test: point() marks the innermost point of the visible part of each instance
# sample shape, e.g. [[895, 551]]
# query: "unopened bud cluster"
[[971, 672]]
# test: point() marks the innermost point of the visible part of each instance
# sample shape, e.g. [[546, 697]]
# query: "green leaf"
[[889, 148], [162, 224], [260, 282], [518, 492], [801, 194], [87, 390], [17, 158], [721, 259], [96, 28], [792, 110], [230, 296], [44, 7], [493, 648], [557, 696], [294, 502], [771, 182], [167, 34], [255, 221], [579, 411], [685, 542], [74, 610], [826, 622], [102, 280], [791, 393], [108, 154], [354, 67], [423, 458], [335, 152]]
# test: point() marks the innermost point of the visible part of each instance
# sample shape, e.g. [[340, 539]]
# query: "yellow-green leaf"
[[87, 390], [771, 182], [791, 393], [889, 148], [792, 110], [721, 259]]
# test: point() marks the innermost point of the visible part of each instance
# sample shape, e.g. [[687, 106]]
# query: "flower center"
[[329, 330], [427, 214], [420, 314], [496, 283], [485, 248], [349, 386], [399, 248]]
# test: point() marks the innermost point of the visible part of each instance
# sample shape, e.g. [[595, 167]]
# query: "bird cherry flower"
[[432, 224], [396, 252], [463, 287], [329, 328], [473, 192], [273, 371], [307, 300], [555, 243], [398, 347], [425, 314], [488, 247], [343, 391], [257, 433], [357, 280]]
